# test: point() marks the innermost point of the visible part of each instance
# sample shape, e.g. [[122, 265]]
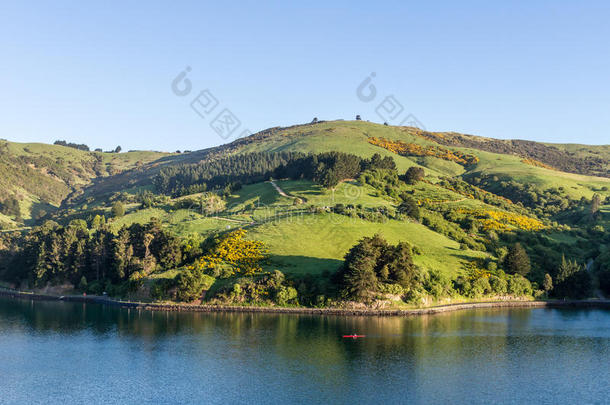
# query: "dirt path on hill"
[[278, 189], [233, 220]]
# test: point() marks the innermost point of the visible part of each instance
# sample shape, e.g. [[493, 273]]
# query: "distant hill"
[[42, 176]]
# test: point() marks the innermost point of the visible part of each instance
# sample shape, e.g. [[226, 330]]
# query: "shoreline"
[[590, 303]]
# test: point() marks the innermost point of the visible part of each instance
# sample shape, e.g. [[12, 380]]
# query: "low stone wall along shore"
[[311, 311]]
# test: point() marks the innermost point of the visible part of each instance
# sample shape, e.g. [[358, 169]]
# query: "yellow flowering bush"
[[413, 149], [242, 255], [502, 221]]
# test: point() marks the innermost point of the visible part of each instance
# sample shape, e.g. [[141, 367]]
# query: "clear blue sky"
[[100, 73]]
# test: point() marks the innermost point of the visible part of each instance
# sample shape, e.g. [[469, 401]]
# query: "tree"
[[191, 283], [410, 208], [572, 280], [603, 271], [11, 207], [547, 284], [118, 210], [596, 203], [82, 285], [373, 261], [517, 261], [211, 203], [98, 221], [360, 282], [358, 118], [122, 253], [414, 174]]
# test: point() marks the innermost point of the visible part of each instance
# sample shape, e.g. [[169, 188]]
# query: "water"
[[54, 352]]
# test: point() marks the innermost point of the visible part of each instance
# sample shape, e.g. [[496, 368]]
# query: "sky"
[[107, 73]]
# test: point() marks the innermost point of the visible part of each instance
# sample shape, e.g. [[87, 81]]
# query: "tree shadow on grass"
[[302, 264], [38, 212]]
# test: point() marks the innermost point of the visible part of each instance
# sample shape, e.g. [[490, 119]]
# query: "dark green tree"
[[414, 174], [572, 280], [517, 261], [371, 261], [410, 208], [122, 252], [191, 284]]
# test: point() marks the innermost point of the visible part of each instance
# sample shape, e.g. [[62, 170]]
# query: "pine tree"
[[572, 280], [517, 261]]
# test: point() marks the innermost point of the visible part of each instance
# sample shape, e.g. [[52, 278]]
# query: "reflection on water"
[[68, 352]]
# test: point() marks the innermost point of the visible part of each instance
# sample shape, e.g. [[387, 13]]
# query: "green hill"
[[42, 176], [479, 197]]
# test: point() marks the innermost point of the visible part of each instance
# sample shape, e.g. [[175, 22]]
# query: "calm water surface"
[[53, 352]]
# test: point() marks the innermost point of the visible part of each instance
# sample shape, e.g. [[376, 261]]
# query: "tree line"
[[327, 169], [91, 259]]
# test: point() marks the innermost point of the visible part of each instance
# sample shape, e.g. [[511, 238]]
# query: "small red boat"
[[354, 336]]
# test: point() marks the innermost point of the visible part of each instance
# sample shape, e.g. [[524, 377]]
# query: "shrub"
[[118, 210], [462, 285], [82, 285], [437, 284], [519, 286], [191, 284], [394, 289], [480, 287], [10, 207], [414, 174], [498, 285], [285, 295], [409, 207]]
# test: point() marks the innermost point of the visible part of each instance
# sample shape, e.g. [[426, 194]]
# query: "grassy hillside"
[[42, 176], [301, 241], [466, 208], [354, 137]]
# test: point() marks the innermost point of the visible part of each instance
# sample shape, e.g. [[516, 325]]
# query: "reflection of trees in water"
[[316, 341]]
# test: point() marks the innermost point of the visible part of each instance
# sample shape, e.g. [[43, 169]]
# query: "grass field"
[[314, 243], [511, 167]]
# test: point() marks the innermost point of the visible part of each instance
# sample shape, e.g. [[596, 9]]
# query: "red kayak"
[[354, 336]]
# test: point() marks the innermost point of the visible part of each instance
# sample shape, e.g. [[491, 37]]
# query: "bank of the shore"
[[311, 311]]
